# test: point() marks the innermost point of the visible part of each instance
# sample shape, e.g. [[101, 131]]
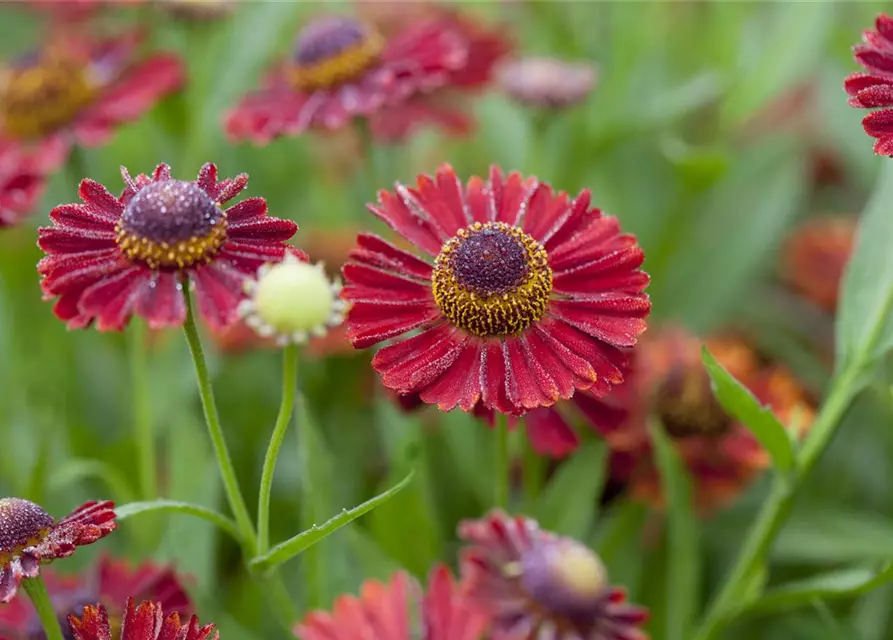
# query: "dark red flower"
[[532, 294], [78, 91], [30, 536], [382, 611], [535, 584], [815, 256], [341, 69], [112, 257], [875, 87], [144, 622], [109, 581], [445, 108], [22, 183]]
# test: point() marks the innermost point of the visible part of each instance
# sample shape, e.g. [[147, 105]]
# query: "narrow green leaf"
[[744, 407], [73, 471], [568, 504], [865, 321], [683, 571], [844, 583], [833, 535], [290, 548], [136, 508]]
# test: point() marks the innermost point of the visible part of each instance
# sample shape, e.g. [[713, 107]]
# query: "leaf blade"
[[131, 509]]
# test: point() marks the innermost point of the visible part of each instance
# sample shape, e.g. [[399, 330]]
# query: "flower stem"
[[776, 509], [212, 419], [533, 473], [501, 482], [37, 591], [142, 411], [289, 386]]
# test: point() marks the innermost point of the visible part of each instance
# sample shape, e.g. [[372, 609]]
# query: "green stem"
[[776, 510], [312, 562], [533, 473], [142, 412], [212, 418], [37, 591], [501, 481], [289, 385]]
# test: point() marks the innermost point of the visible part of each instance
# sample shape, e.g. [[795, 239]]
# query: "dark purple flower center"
[[687, 407], [492, 280], [22, 524], [331, 50], [171, 224], [566, 579], [42, 94]]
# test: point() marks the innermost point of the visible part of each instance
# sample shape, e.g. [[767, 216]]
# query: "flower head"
[[535, 584], [30, 536], [874, 88], [342, 68], [112, 257], [22, 183], [143, 622], [382, 611], [78, 90], [547, 82], [815, 256], [109, 581], [291, 301], [531, 296]]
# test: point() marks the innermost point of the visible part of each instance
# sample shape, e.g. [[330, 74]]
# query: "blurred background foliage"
[[714, 129]]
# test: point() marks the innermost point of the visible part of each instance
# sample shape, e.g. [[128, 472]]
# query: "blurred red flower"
[[144, 622], [29, 536], [342, 69], [535, 584], [815, 256], [382, 612], [109, 582], [874, 88], [22, 183], [77, 90], [112, 257], [532, 295]]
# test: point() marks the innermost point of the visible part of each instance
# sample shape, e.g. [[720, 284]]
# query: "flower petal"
[[549, 433], [161, 302], [218, 290], [615, 319], [460, 385]]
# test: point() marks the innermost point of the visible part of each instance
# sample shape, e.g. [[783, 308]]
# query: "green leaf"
[[136, 508], [824, 535], [844, 583], [864, 321], [744, 407], [73, 471], [683, 570], [568, 504], [287, 550]]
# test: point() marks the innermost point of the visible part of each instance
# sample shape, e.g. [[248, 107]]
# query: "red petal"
[[92, 625], [247, 209], [377, 252], [460, 385], [111, 299], [56, 240], [583, 371], [144, 622], [207, 180], [874, 60], [266, 229], [494, 377], [877, 96], [429, 360], [450, 217], [369, 323], [614, 319], [549, 433], [524, 386], [248, 257], [563, 380], [228, 189], [605, 417], [597, 236], [369, 283], [478, 200], [267, 114], [78, 271], [878, 123], [566, 221], [81, 217], [608, 362], [160, 301], [856, 82], [414, 224], [884, 146], [513, 199], [101, 202], [218, 290]]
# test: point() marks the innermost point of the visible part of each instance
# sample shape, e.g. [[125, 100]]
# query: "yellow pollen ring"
[[178, 255], [498, 314], [8, 554], [337, 69]]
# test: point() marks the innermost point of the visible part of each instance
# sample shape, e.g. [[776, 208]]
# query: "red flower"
[[144, 622], [382, 612], [77, 90], [109, 257], [875, 88], [21, 183], [109, 581], [535, 584], [815, 256], [30, 536], [547, 82], [342, 69], [443, 107], [531, 296]]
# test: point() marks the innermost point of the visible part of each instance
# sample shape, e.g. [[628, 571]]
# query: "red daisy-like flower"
[[875, 87], [341, 69], [445, 108], [666, 378], [532, 294], [382, 611], [78, 90], [144, 622], [112, 257], [109, 581], [22, 183], [30, 536], [535, 584]]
